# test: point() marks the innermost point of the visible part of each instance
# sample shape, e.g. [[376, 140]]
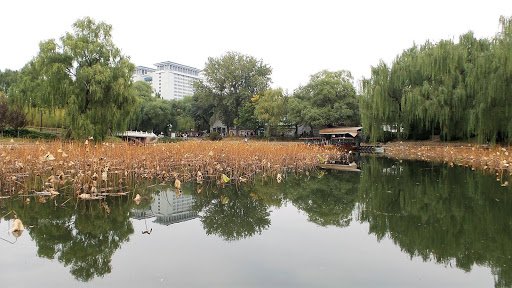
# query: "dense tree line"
[[456, 89], [82, 82], [236, 91]]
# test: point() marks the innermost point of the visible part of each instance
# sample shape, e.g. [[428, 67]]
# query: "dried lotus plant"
[[103, 168]]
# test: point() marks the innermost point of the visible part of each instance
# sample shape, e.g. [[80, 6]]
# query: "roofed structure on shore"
[[353, 131]]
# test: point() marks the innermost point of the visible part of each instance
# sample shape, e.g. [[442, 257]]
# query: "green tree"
[[156, 114], [184, 123], [7, 79], [491, 81], [184, 118], [143, 89], [230, 82], [4, 110], [202, 108], [143, 92], [455, 89], [87, 74], [270, 108], [247, 118], [295, 112], [330, 98], [377, 108]]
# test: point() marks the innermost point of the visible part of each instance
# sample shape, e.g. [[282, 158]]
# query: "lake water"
[[393, 224]]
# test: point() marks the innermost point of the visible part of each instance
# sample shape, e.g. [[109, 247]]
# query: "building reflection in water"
[[168, 208]]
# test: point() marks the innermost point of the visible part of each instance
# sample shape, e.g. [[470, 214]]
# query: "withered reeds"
[[96, 169]]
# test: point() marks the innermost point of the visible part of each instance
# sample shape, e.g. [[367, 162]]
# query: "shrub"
[[214, 136], [17, 118], [28, 133]]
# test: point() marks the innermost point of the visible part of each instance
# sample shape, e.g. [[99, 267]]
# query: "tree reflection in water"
[[453, 216], [240, 216], [84, 238], [327, 199]]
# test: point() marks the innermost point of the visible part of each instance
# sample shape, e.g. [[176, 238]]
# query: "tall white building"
[[143, 74], [170, 80]]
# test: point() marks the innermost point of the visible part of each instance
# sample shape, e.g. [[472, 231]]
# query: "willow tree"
[[377, 108], [423, 91], [437, 98], [87, 75], [32, 89], [492, 84], [455, 89]]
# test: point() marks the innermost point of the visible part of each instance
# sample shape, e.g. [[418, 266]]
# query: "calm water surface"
[[393, 224]]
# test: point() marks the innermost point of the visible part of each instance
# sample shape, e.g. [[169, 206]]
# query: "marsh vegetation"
[[96, 170]]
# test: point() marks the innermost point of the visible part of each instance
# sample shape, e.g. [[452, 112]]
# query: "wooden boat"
[[352, 167]]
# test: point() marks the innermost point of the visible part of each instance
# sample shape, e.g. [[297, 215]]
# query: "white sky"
[[296, 38]]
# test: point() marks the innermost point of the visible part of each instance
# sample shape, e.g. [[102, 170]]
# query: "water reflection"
[[167, 208], [327, 198], [452, 216], [232, 213], [83, 239]]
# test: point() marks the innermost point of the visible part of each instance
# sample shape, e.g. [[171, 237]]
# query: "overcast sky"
[[296, 38]]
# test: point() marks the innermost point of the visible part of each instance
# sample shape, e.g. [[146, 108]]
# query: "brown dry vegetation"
[[93, 170], [490, 158]]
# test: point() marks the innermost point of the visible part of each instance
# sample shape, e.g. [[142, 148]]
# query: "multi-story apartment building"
[[169, 80]]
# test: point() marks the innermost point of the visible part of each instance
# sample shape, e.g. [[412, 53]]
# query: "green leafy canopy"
[[86, 74]]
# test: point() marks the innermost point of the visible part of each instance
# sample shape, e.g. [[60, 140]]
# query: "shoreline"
[[495, 158]]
